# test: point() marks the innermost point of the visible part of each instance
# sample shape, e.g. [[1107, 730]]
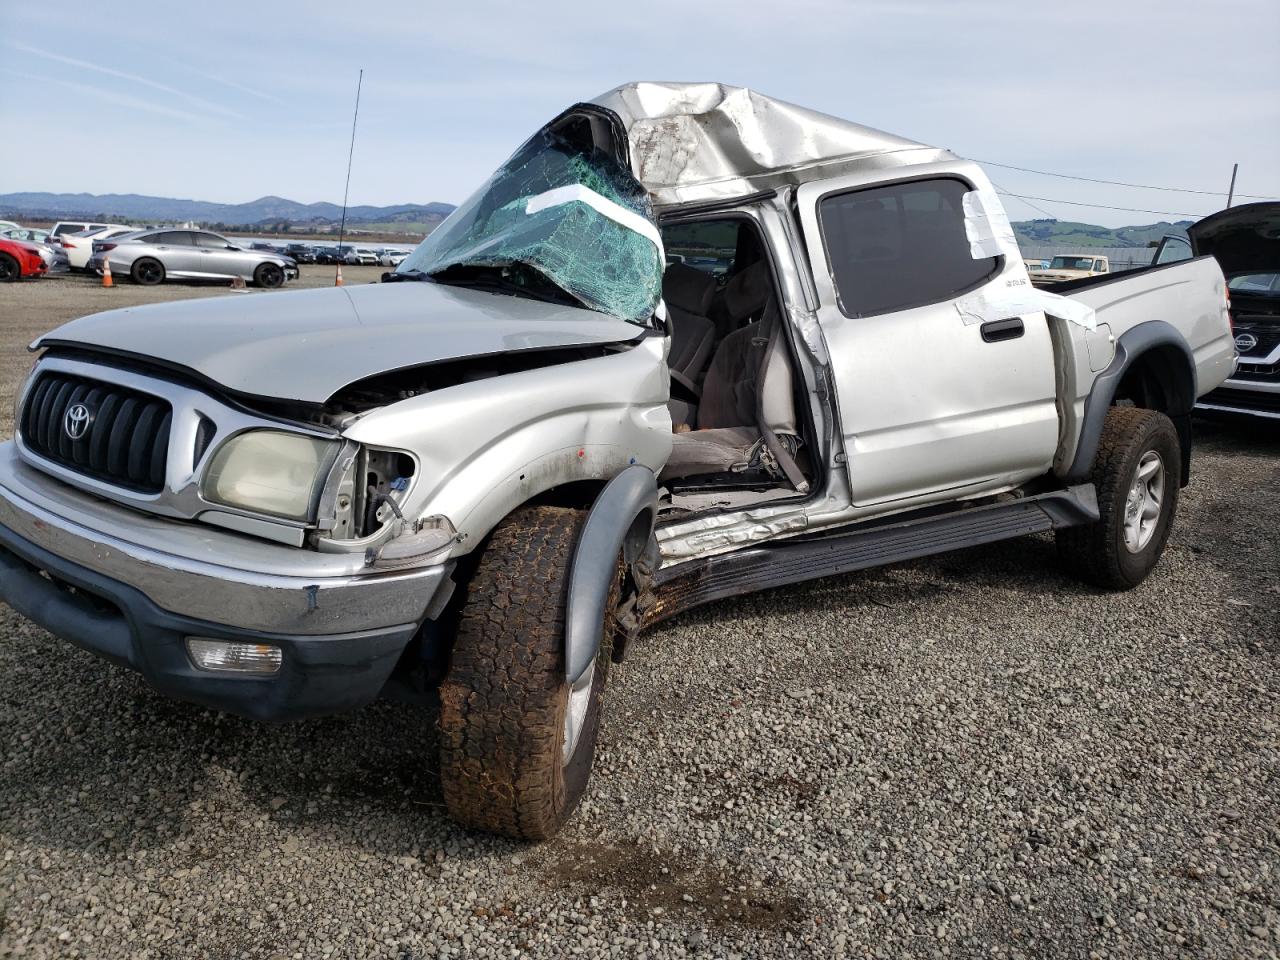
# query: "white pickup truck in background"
[[489, 475]]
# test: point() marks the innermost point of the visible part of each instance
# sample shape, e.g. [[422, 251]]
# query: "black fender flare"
[[620, 521], [1131, 345]]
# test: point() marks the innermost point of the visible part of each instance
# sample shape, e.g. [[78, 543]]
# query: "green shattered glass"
[[600, 262]]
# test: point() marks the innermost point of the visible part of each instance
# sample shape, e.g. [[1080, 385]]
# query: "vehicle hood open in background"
[[308, 344], [1243, 239]]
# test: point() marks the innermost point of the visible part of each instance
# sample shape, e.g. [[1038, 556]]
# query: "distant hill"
[[1068, 234], [423, 217], [136, 208]]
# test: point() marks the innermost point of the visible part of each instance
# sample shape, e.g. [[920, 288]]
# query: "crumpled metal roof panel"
[[703, 141]]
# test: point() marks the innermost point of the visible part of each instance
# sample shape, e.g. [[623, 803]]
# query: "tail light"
[[68, 244], [103, 247]]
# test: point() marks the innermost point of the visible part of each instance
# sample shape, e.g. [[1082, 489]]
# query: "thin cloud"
[[261, 94], [131, 77], [122, 99]]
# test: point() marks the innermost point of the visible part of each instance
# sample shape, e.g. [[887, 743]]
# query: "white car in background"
[[63, 227], [392, 258], [361, 256], [79, 246]]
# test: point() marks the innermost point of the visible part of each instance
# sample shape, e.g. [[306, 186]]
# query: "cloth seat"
[[688, 294], [748, 383]]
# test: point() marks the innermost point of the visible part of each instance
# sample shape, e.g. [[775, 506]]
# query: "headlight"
[[269, 471]]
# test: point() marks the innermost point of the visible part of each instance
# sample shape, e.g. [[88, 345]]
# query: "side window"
[[706, 245], [899, 246], [1171, 250], [173, 238], [209, 240], [1100, 266], [64, 228]]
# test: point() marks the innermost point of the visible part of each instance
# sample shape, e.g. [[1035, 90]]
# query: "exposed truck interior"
[[739, 425]]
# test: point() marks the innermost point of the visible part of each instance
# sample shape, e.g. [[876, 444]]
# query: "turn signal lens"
[[225, 656]]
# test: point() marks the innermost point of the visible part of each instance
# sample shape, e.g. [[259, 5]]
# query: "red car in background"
[[19, 260]]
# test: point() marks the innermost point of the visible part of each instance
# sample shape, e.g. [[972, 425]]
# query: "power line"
[[1003, 192], [1103, 206], [1118, 183]]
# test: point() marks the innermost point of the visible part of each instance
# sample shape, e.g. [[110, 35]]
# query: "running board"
[[874, 544]]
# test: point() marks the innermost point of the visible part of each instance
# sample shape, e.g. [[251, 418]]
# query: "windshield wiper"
[[395, 276], [530, 285]]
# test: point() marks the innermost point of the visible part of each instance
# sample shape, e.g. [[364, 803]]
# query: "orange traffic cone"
[[106, 273], [337, 280]]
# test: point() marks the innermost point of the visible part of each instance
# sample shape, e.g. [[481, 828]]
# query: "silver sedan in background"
[[153, 256]]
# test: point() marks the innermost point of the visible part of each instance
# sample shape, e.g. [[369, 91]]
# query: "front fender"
[[621, 521]]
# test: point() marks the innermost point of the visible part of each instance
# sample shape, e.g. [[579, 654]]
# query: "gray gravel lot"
[[967, 756]]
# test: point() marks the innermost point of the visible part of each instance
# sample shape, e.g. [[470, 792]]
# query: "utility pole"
[[1231, 191]]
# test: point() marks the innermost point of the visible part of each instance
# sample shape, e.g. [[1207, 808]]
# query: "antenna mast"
[[346, 191]]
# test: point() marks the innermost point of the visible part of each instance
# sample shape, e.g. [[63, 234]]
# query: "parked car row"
[[153, 255]]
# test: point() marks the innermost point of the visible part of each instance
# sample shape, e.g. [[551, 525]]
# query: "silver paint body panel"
[[307, 344]]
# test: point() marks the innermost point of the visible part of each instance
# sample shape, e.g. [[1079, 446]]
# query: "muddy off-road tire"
[[1137, 474], [504, 701]]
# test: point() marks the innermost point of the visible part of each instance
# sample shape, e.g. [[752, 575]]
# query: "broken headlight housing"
[[272, 472]]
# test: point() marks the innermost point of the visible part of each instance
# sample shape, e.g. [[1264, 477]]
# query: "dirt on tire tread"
[[501, 703]]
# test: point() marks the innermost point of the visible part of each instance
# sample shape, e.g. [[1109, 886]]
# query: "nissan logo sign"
[[1245, 342], [76, 421]]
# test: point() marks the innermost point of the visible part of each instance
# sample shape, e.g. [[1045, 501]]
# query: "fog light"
[[224, 656]]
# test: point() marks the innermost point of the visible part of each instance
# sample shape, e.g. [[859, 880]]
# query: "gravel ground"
[[966, 756]]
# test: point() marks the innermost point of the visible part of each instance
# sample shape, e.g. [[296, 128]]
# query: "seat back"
[[688, 294]]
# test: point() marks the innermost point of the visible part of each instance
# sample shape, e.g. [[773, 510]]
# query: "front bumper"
[[142, 585]]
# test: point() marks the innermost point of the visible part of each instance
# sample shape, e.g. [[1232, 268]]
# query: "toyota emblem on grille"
[[1245, 342], [76, 421]]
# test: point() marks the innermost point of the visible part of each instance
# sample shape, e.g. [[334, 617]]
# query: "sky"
[[232, 101]]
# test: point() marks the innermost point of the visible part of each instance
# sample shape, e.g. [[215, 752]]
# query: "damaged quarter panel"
[[485, 447]]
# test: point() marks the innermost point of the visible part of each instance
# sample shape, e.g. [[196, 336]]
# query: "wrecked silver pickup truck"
[[688, 342]]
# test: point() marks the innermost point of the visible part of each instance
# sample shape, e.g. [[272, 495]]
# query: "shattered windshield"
[[554, 222]]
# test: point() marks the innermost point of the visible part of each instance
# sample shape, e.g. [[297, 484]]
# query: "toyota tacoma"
[[687, 342]]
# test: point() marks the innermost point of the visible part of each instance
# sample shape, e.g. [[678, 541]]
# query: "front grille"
[[1263, 372], [1256, 401], [1264, 329], [125, 440]]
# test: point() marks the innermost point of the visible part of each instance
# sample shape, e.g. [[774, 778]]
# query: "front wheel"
[[1137, 475], [9, 269], [269, 275], [516, 739], [147, 271]]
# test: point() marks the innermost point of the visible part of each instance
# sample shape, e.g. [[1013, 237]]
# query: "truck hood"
[[1242, 239], [306, 345]]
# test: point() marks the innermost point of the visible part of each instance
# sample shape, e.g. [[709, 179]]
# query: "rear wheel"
[[269, 275], [517, 740], [1137, 475], [147, 271], [9, 269]]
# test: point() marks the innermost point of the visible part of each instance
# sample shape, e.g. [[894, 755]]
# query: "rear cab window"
[[899, 246]]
